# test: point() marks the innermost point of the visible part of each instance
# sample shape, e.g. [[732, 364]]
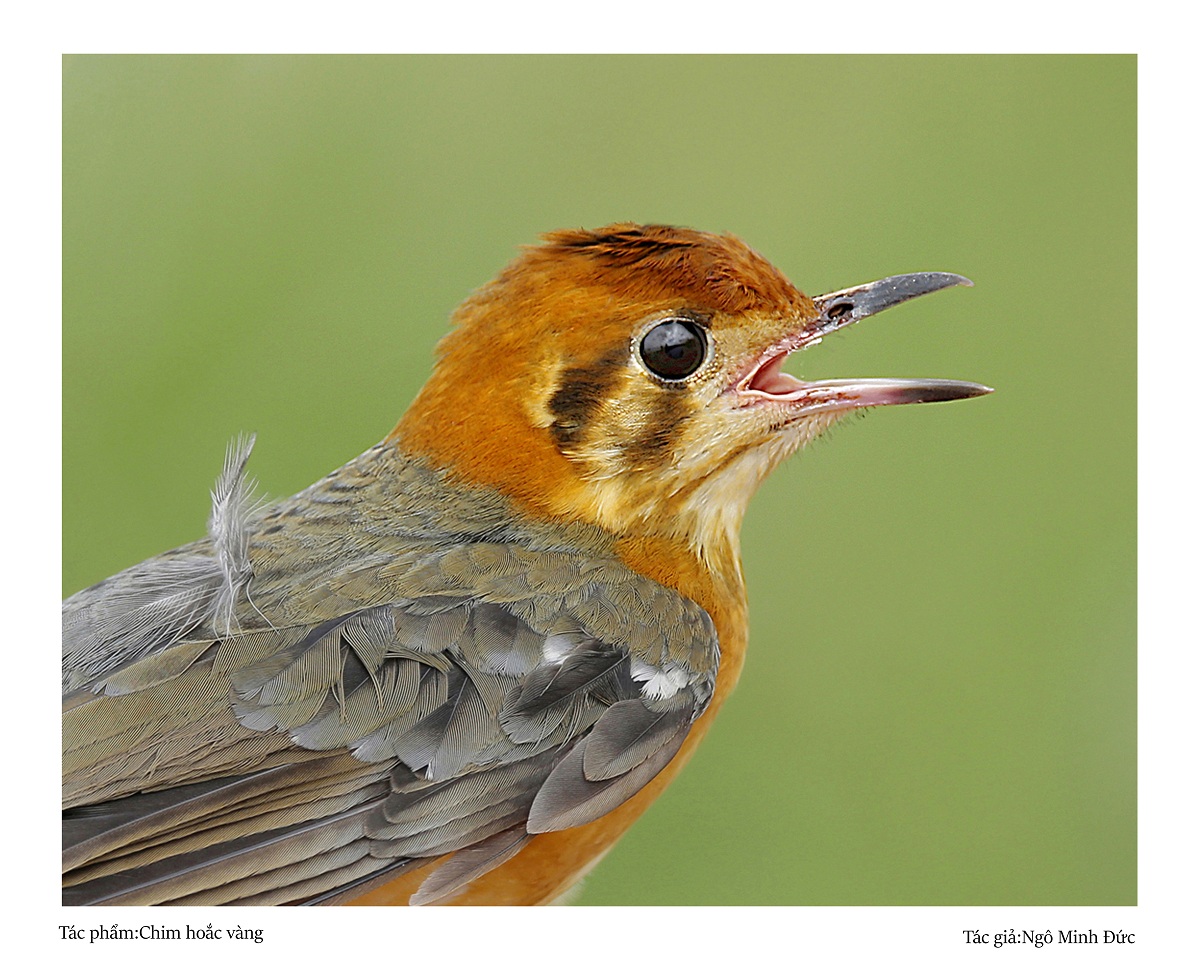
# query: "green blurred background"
[[939, 702]]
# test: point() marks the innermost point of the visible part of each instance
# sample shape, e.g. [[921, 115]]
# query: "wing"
[[381, 671]]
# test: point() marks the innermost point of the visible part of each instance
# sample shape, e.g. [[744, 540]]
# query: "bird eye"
[[674, 349]]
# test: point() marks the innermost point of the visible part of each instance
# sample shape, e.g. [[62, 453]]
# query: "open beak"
[[767, 381]]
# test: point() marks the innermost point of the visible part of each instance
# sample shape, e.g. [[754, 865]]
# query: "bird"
[[460, 666]]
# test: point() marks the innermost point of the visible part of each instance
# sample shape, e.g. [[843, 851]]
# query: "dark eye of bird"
[[674, 349]]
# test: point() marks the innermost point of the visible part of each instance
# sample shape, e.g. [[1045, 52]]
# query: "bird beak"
[[840, 309]]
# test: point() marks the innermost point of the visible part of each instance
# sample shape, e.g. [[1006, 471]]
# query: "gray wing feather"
[[370, 705], [442, 744], [288, 882], [212, 867], [135, 614], [470, 864], [568, 799], [628, 734], [568, 694]]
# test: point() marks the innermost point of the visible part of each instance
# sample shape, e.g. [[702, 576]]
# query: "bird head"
[[631, 377]]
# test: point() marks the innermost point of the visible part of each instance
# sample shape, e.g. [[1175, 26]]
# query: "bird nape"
[[457, 669]]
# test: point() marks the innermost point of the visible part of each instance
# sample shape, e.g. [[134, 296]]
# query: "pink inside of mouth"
[[770, 378]]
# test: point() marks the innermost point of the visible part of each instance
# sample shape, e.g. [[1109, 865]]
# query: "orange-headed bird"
[[460, 666]]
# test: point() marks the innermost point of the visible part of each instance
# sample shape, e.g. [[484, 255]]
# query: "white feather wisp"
[[233, 507]]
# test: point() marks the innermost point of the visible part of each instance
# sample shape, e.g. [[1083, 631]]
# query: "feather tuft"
[[233, 507]]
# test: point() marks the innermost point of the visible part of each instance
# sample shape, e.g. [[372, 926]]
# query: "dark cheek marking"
[[579, 395], [652, 446]]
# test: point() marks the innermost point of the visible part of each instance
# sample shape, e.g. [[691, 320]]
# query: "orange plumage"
[[458, 668]]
